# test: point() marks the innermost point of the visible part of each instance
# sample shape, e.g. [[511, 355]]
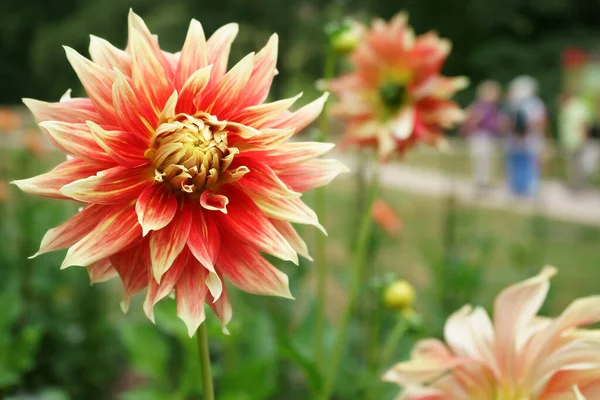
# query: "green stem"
[[204, 356], [388, 350], [357, 273], [320, 209]]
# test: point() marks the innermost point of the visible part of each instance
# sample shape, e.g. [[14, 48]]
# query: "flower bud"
[[345, 36], [399, 295]]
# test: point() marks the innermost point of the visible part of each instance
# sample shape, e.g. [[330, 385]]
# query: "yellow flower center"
[[190, 153]]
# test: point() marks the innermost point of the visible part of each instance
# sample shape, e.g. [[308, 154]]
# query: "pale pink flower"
[[517, 356], [186, 175], [395, 95]]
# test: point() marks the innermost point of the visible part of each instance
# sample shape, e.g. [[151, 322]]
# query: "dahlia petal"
[[302, 117], [132, 266], [469, 333], [292, 210], [218, 47], [312, 174], [190, 294], [403, 124], [148, 72], [101, 271], [290, 154], [74, 110], [193, 87], [112, 186], [214, 202], [247, 269], [159, 290], [204, 243], [221, 307], [257, 89], [116, 232], [515, 307], [167, 243], [108, 56], [77, 141], [156, 207], [124, 147], [226, 93], [267, 138], [262, 181], [261, 114], [50, 183], [420, 371], [237, 130], [578, 394], [193, 54], [73, 230], [97, 82], [136, 24], [289, 233], [127, 108], [245, 221]]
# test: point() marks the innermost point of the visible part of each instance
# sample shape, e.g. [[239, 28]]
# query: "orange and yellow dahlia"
[[517, 356], [395, 94], [186, 175]]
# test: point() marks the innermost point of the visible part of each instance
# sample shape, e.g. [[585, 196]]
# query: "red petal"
[[247, 269], [77, 141], [101, 271], [290, 154], [261, 115], [221, 306], [74, 229], [312, 174], [214, 202], [204, 242], [246, 222], [193, 87], [114, 233], [226, 93], [292, 210], [261, 180], [190, 293], [128, 109], [132, 265], [193, 54], [158, 291], [289, 233], [108, 56], [302, 117], [50, 183], [97, 82], [124, 147], [112, 186], [73, 110], [167, 243], [217, 49], [156, 207]]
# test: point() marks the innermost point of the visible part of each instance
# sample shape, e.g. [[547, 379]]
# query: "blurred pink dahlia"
[[395, 95], [517, 356], [186, 176]]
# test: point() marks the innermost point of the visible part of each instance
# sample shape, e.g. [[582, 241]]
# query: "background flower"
[[518, 355], [186, 175], [395, 94]]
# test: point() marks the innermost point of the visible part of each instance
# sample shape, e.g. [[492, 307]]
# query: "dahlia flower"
[[186, 175], [517, 356], [395, 94]]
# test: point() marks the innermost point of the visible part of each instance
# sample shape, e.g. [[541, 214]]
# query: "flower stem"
[[358, 263], [320, 208], [204, 356]]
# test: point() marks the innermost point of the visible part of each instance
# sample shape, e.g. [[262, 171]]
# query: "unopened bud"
[[345, 36], [400, 295]]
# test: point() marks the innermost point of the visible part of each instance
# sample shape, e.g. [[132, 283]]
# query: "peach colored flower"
[[186, 176], [395, 94], [517, 356], [386, 217]]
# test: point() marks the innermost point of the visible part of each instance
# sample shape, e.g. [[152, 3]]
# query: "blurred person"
[[574, 122], [482, 126], [525, 146]]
